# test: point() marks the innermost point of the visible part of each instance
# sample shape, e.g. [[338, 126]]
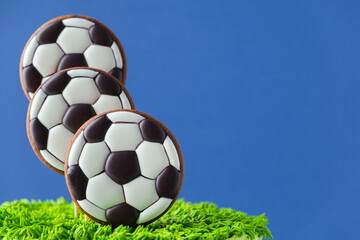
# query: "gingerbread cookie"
[[63, 103], [70, 41], [124, 167]]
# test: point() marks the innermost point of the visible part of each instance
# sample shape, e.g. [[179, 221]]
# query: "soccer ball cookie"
[[70, 41], [63, 103], [124, 167]]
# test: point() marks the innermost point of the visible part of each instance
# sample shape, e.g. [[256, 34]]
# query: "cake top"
[[184, 219]]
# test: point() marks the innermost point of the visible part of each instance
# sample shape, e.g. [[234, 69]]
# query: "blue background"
[[263, 97]]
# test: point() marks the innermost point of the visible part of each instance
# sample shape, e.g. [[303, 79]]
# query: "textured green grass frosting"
[[55, 220]]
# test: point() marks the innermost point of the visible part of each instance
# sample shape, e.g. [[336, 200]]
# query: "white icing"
[[123, 136], [58, 141], [154, 210], [74, 40], [52, 111], [125, 116], [104, 192], [172, 153], [29, 52], [81, 90], [140, 193], [75, 149], [46, 58], [82, 73], [125, 101], [78, 22], [53, 161], [37, 103], [152, 159], [45, 79], [107, 103], [117, 55], [93, 157], [93, 210], [100, 57]]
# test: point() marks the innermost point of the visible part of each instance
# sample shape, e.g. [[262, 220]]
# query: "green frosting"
[[55, 220]]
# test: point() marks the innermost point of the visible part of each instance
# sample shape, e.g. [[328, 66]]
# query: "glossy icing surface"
[[154, 210], [140, 193], [123, 166], [93, 157], [123, 137], [63, 104], [152, 159], [99, 213], [135, 160], [104, 197], [70, 41]]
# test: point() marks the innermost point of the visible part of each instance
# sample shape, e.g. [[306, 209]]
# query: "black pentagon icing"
[[77, 115], [123, 166], [168, 182], [96, 130], [50, 32], [39, 134], [122, 214], [77, 182], [107, 85], [31, 78], [151, 131], [100, 35], [56, 84], [117, 72], [72, 60]]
